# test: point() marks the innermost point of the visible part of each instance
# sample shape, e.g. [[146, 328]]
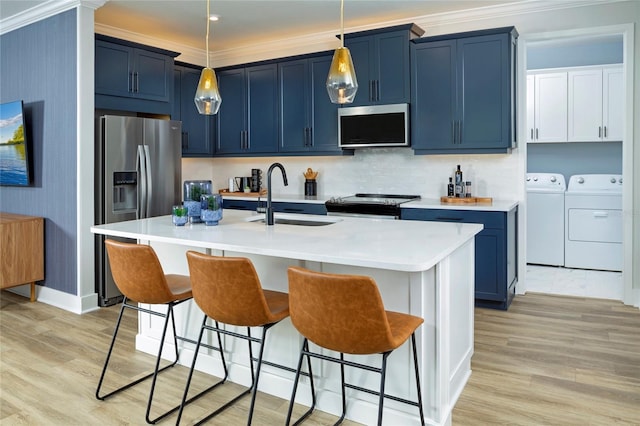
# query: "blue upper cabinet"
[[308, 119], [127, 70], [247, 123], [382, 62], [198, 130], [463, 92]]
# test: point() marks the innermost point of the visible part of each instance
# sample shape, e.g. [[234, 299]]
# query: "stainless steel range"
[[380, 206]]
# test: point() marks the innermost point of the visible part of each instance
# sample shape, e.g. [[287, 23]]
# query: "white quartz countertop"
[[409, 246], [424, 203]]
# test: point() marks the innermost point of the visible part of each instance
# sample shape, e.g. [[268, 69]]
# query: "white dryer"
[[593, 228], [545, 218]]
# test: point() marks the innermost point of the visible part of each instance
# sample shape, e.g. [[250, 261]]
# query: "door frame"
[[631, 296]]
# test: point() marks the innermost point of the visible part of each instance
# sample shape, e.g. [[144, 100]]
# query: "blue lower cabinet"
[[302, 208], [230, 203], [280, 207], [495, 250]]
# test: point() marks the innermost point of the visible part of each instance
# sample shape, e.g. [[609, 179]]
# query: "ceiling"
[[243, 22]]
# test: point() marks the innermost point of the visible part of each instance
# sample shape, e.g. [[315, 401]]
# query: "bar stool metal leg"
[[303, 352], [417, 371], [168, 317], [193, 364], [344, 392]]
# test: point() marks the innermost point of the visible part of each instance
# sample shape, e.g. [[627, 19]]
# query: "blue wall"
[[575, 158], [574, 54], [38, 65]]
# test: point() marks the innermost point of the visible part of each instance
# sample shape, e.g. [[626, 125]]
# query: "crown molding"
[[43, 11], [504, 10], [311, 42], [327, 40]]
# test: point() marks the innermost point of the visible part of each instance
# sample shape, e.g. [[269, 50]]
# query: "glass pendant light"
[[207, 97], [342, 84]]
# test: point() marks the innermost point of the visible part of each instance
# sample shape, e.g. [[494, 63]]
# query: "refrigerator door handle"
[[141, 168], [149, 180]]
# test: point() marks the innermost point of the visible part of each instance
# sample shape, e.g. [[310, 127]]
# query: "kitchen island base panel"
[[442, 295]]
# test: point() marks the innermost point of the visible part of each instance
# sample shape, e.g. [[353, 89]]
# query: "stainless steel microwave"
[[373, 126]]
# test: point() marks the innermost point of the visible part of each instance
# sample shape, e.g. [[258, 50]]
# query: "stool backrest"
[[344, 313], [228, 289], [137, 272]]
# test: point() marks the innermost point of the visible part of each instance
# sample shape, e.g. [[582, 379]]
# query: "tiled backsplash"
[[375, 170]]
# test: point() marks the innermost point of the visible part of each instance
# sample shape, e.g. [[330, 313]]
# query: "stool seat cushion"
[[179, 285]]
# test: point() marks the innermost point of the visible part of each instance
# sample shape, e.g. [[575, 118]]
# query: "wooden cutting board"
[[466, 200], [226, 193]]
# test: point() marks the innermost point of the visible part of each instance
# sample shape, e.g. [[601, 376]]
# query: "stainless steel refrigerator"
[[138, 175]]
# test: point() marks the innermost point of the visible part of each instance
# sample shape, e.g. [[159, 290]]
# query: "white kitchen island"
[[422, 268]]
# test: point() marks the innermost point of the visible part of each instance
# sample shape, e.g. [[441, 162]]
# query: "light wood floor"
[[549, 360]]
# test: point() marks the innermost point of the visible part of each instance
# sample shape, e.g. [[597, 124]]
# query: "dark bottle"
[[459, 188], [450, 189]]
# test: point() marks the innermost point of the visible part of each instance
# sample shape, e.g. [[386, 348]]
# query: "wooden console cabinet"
[[21, 251]]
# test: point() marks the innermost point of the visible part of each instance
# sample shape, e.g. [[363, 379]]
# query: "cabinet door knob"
[[536, 133], [599, 131], [605, 131]]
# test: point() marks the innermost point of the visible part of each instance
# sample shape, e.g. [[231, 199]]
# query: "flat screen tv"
[[14, 146]]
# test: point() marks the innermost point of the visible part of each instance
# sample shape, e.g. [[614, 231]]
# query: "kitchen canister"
[[211, 209], [192, 194]]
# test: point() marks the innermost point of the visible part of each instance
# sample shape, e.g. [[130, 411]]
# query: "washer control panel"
[[546, 181]]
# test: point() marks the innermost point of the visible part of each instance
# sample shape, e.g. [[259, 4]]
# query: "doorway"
[[573, 48]]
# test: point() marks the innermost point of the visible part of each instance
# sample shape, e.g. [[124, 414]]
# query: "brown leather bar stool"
[[139, 276], [345, 313], [228, 291]]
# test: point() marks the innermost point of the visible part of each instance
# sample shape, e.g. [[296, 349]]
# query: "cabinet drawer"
[[302, 208], [239, 204], [492, 220]]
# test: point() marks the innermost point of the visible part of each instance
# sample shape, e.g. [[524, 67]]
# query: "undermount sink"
[[300, 221]]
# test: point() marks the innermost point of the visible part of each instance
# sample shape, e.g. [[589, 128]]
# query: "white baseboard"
[[60, 299]]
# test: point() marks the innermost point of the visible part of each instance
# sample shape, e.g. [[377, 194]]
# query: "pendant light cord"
[[207, 41], [341, 22]]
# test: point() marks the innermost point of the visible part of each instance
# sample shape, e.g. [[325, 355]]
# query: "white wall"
[[376, 170]]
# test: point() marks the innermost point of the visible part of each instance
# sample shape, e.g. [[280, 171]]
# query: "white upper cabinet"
[[595, 104], [547, 107], [582, 104], [612, 104]]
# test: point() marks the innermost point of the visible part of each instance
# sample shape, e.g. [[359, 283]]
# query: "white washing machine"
[[593, 222], [545, 218]]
